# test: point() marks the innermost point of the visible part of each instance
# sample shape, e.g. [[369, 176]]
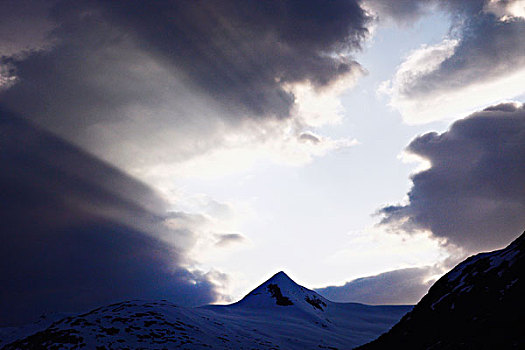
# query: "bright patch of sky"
[[316, 221]]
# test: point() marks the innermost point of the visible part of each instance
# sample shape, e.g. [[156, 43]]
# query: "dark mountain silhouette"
[[477, 305]]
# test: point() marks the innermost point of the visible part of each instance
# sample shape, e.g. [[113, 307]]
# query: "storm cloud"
[[241, 53], [144, 84], [24, 26], [403, 286], [472, 196], [78, 233], [245, 52]]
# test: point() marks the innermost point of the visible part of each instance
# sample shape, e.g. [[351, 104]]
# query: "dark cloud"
[[404, 286], [489, 46], [244, 51], [24, 25], [226, 239], [241, 53], [473, 195], [77, 233], [406, 11], [156, 83]]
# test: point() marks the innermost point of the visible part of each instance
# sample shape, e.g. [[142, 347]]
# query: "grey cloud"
[[227, 239], [404, 286], [402, 11], [473, 194], [309, 137], [488, 47], [406, 11], [78, 233], [244, 51], [142, 84], [24, 25], [97, 89], [241, 53]]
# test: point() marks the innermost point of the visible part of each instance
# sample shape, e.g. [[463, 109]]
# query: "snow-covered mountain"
[[478, 305], [279, 314]]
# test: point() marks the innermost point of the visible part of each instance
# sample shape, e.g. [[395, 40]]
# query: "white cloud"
[[316, 107], [6, 78], [439, 103], [373, 250], [242, 149], [505, 9]]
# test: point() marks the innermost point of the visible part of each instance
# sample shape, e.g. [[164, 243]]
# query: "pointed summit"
[[280, 290], [282, 278], [280, 274]]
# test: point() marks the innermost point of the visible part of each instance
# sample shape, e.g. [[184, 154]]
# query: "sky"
[[189, 150]]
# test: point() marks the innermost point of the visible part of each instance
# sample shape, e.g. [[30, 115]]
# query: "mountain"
[[281, 290], [478, 305], [279, 314], [10, 334]]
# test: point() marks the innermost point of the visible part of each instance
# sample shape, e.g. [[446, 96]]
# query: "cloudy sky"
[[188, 150]]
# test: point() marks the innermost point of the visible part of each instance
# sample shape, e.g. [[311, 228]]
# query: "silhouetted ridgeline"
[[477, 305]]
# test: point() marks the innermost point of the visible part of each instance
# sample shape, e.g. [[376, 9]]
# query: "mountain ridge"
[[477, 305], [278, 314]]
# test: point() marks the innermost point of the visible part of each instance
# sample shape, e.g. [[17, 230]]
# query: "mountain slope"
[[279, 314], [478, 305]]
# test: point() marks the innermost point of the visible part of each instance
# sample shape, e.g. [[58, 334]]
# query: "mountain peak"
[[280, 276], [281, 273], [280, 290]]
